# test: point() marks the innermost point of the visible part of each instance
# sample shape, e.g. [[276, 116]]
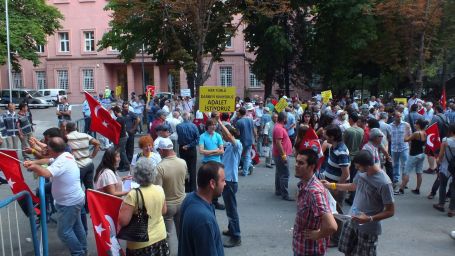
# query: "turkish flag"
[[311, 141], [254, 156], [102, 121], [104, 209], [13, 173], [421, 111], [433, 140], [443, 100]]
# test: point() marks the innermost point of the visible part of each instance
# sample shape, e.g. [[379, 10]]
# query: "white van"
[[55, 95]]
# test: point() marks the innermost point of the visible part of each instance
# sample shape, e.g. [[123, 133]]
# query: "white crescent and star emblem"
[[429, 140], [11, 183], [96, 110], [307, 144], [99, 229]]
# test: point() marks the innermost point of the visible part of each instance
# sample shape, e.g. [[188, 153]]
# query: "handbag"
[[137, 229]]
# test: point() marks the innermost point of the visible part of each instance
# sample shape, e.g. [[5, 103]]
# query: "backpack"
[[451, 162]]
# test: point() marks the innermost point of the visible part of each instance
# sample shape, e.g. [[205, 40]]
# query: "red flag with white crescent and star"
[[13, 173], [311, 141], [102, 121], [443, 100], [433, 140], [104, 209]]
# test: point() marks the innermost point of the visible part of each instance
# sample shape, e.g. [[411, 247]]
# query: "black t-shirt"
[[122, 121]]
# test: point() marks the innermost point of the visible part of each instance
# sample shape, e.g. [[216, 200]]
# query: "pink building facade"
[[70, 60]]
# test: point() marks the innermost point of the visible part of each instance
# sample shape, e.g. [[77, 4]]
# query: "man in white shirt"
[[173, 121], [67, 192]]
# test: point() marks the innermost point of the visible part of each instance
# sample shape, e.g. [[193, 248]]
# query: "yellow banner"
[[401, 100], [221, 99], [281, 105], [304, 106], [326, 96]]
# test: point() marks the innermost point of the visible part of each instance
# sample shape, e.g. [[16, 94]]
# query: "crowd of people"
[[364, 155]]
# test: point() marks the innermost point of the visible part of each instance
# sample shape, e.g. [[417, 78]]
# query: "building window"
[[64, 41], [88, 83], [17, 79], [254, 82], [229, 42], [89, 41], [226, 76], [62, 79], [41, 79], [40, 48]]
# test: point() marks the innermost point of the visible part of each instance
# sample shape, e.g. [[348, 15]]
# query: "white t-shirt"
[[66, 182], [108, 177], [173, 122]]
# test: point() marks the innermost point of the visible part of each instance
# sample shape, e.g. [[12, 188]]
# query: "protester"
[[173, 121], [314, 222], [399, 148], [373, 202], [124, 163], [131, 123], [159, 120], [188, 139], [154, 202], [268, 140], [245, 128], [106, 178], [199, 233], [67, 192], [282, 149], [171, 173], [146, 144]]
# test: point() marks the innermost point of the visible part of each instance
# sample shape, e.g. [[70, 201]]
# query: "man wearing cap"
[[164, 132], [159, 120], [171, 173]]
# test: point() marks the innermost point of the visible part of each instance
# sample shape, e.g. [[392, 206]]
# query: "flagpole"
[[11, 157]]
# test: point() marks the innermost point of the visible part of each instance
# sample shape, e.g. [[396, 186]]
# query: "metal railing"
[[24, 196], [43, 218]]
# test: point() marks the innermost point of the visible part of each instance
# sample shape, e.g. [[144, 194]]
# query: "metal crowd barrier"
[[43, 217], [24, 196]]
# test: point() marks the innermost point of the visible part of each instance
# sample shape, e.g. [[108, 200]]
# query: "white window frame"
[[40, 48], [17, 79], [89, 41], [229, 43], [226, 75], [64, 42], [253, 81], [41, 80], [88, 79], [62, 79]]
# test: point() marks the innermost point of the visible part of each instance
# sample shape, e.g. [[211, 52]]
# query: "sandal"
[[439, 207], [430, 196]]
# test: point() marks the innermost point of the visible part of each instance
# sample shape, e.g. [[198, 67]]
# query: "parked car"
[[167, 95], [55, 95], [18, 95]]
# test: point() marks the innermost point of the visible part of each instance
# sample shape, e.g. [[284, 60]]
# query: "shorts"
[[414, 164], [354, 243]]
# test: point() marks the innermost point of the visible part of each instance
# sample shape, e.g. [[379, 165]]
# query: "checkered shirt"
[[399, 132], [312, 203]]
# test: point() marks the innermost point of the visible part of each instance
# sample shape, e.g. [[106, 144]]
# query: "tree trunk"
[[419, 71], [190, 82], [268, 86]]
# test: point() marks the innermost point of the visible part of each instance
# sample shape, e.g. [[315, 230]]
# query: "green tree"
[[31, 22], [190, 34]]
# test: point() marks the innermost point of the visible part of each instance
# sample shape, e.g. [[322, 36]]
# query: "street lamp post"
[[10, 76]]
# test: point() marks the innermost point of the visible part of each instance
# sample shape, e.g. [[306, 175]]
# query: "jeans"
[[246, 160], [399, 162], [70, 229], [124, 162], [231, 208], [281, 176], [190, 157], [443, 188], [86, 175], [172, 221], [87, 122], [130, 147]]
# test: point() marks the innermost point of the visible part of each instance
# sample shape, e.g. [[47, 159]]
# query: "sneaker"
[[439, 207], [232, 242], [399, 192], [429, 171], [219, 206], [416, 191], [226, 233]]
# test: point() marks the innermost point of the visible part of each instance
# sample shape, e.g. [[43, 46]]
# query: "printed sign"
[[326, 96], [401, 100], [221, 99], [185, 92], [281, 105]]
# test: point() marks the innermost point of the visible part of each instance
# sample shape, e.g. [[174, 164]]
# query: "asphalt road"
[[267, 222]]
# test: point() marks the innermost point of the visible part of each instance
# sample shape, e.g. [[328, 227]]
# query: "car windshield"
[[35, 94]]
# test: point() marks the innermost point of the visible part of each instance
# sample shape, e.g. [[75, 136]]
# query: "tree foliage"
[[191, 34], [30, 23]]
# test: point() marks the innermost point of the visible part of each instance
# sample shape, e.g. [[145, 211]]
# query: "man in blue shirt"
[[231, 160], [188, 139], [247, 134], [87, 119], [199, 233], [211, 146], [290, 124]]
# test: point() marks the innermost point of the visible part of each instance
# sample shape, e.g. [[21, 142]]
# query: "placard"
[[281, 105], [185, 92], [326, 96], [219, 98], [401, 100]]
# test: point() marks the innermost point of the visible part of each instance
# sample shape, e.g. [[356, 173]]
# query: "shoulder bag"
[[137, 229]]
